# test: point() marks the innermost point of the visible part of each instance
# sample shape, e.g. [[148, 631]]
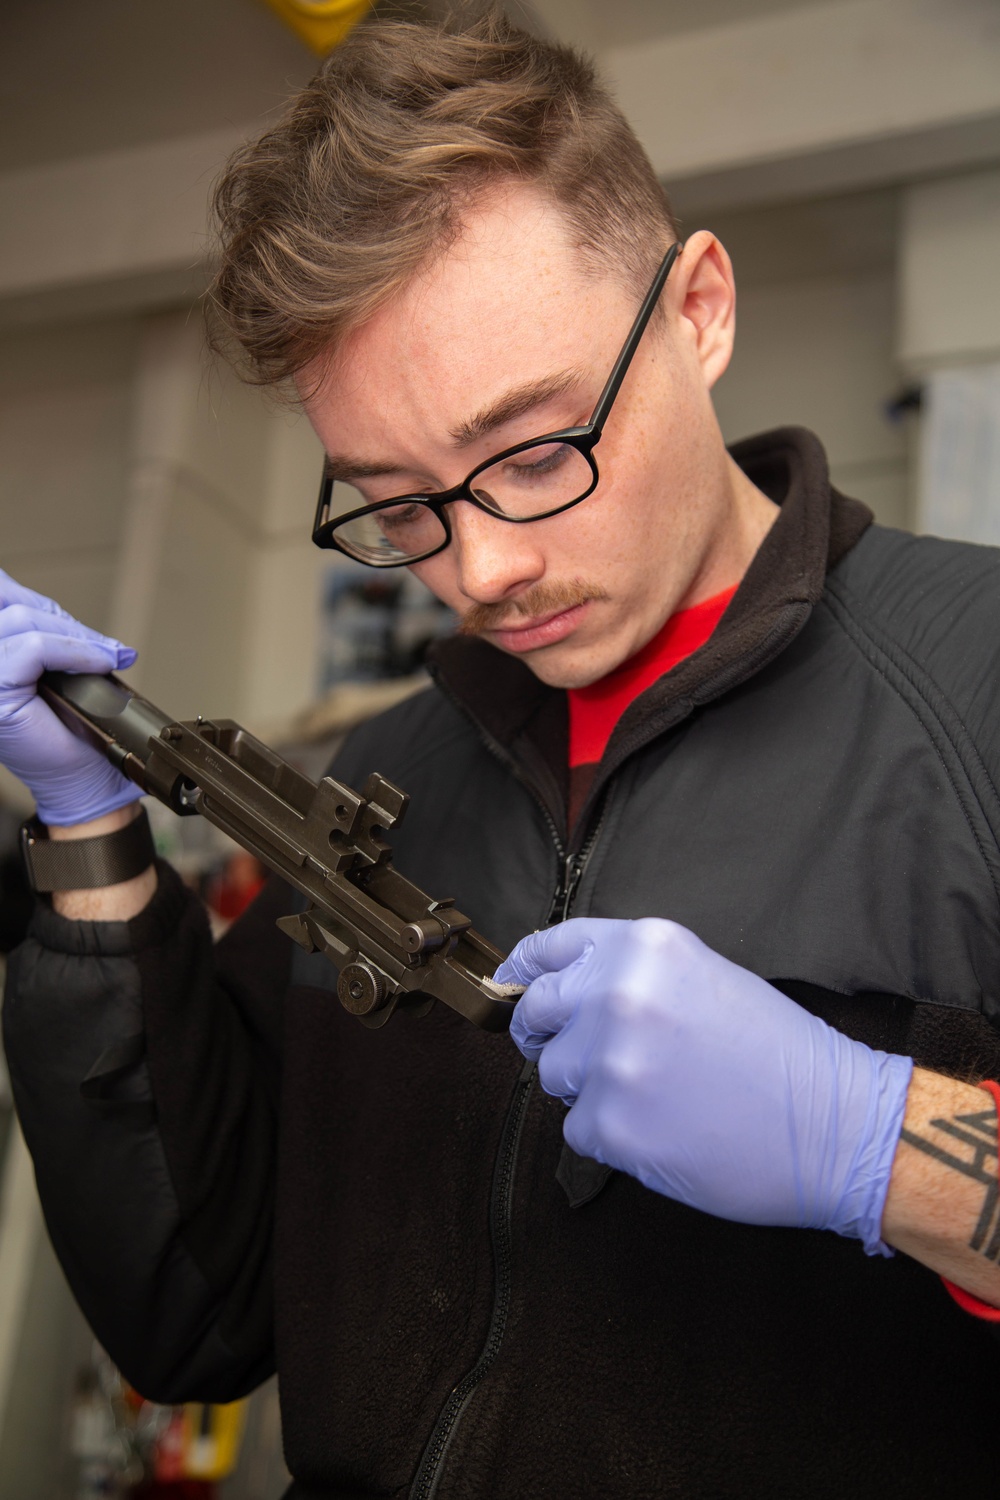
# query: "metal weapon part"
[[394, 946]]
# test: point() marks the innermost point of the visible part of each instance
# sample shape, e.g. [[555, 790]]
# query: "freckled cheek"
[[581, 543], [627, 505], [439, 575]]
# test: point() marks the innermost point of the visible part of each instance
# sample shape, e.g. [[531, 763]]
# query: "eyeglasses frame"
[[583, 439]]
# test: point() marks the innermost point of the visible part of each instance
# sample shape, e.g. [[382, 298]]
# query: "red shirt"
[[595, 710]]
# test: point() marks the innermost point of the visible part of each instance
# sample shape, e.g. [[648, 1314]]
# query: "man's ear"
[[705, 295]]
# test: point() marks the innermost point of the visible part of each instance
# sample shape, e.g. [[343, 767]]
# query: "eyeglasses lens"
[[399, 533], [534, 482]]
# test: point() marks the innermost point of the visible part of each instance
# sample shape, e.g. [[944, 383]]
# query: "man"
[[693, 688]]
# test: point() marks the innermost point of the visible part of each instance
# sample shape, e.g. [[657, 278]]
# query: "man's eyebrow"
[[339, 466], [511, 404], [514, 403]]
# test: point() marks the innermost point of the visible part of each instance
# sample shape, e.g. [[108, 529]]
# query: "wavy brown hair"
[[364, 178]]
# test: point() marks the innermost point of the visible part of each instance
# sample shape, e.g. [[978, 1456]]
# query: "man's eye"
[[398, 517], [538, 463]]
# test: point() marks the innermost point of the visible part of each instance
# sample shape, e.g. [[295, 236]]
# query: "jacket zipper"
[[425, 1485], [571, 866], [571, 873], [431, 1464]]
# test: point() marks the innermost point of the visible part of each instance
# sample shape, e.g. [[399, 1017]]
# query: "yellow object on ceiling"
[[321, 24]]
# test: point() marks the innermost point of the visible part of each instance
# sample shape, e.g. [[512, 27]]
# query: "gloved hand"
[[703, 1081], [70, 781]]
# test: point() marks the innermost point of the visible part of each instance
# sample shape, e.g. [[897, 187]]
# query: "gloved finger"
[[542, 952], [541, 1013], [25, 656], [558, 1074], [12, 592], [19, 618], [567, 1059], [579, 1133]]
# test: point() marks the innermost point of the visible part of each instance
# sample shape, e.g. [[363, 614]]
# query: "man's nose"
[[493, 558]]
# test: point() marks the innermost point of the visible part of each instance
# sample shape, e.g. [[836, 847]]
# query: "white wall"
[[157, 497], [949, 268], [218, 577], [816, 338], [819, 353], [284, 587], [65, 413], [950, 339]]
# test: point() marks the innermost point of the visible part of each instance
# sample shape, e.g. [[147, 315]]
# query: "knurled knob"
[[361, 989]]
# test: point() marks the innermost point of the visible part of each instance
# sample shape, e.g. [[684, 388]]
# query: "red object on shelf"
[[176, 1489], [233, 889]]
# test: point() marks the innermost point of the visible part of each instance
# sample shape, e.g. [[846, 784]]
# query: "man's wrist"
[[942, 1207], [107, 823], [112, 903], [885, 1091]]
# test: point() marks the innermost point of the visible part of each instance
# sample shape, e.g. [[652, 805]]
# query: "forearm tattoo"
[[968, 1144]]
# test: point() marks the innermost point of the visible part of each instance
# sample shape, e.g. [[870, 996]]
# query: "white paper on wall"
[[960, 454]]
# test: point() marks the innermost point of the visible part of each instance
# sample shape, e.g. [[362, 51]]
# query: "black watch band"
[[86, 864]]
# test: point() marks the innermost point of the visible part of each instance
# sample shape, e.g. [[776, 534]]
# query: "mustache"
[[542, 599]]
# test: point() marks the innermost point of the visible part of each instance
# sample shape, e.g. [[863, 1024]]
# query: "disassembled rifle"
[[394, 946]]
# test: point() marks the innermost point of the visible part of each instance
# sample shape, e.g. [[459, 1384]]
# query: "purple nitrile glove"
[[71, 782], [704, 1082]]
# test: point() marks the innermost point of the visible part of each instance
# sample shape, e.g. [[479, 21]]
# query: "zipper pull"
[[569, 879]]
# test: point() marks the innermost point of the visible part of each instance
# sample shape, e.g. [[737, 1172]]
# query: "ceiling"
[[83, 76], [627, 22]]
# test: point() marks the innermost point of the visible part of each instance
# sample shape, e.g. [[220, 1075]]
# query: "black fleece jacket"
[[457, 1306]]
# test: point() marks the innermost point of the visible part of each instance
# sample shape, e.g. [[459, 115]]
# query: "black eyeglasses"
[[528, 482]]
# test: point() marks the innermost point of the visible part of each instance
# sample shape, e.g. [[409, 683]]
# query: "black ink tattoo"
[[977, 1134]]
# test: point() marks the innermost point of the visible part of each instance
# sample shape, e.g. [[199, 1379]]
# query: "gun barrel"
[[107, 712]]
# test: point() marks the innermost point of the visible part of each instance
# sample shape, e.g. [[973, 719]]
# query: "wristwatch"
[[86, 864]]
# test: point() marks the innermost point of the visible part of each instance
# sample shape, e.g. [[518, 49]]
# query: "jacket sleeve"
[[145, 1072]]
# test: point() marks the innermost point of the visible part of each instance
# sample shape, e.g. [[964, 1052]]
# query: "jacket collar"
[[526, 722]]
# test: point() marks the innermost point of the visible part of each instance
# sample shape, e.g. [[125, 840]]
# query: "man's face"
[[504, 337]]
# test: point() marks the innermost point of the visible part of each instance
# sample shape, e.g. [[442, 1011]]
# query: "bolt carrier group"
[[394, 946]]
